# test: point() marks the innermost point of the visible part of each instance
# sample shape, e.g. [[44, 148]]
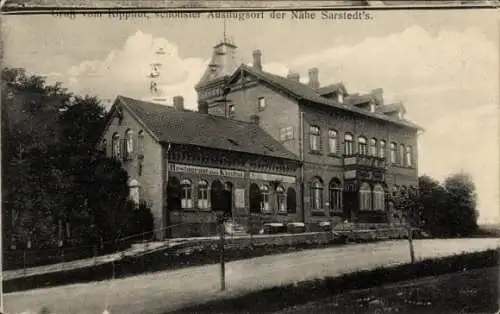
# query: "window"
[[262, 104], [381, 149], [402, 160], [230, 111], [362, 147], [255, 198], [332, 141], [408, 156], [286, 133], [365, 197], [348, 144], [373, 147], [115, 146], [378, 197], [314, 138], [393, 153], [281, 199], [317, 194], [186, 196], [141, 143], [291, 200], [264, 204], [335, 194], [203, 194], [129, 144]]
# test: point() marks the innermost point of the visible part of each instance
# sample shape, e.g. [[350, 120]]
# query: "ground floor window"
[[317, 194], [203, 194], [378, 197], [365, 197], [281, 199], [291, 200], [264, 204], [186, 196], [255, 197], [335, 199]]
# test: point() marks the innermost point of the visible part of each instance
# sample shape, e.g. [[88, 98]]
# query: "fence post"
[[95, 254], [222, 264], [24, 263], [62, 258]]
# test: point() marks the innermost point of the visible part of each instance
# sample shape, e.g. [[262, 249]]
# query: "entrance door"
[[228, 200], [222, 197]]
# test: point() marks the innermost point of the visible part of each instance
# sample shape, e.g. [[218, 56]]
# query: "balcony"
[[358, 161]]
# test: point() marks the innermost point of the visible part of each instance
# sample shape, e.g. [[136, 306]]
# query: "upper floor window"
[[362, 147], [286, 133], [373, 147], [348, 144], [129, 144], [393, 153], [115, 146], [262, 103], [230, 110], [314, 138], [140, 137], [402, 150], [332, 141], [408, 156], [381, 149]]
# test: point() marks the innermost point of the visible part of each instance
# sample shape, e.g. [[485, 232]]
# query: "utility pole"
[[221, 251]]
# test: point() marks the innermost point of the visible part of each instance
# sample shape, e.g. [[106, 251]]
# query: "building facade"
[[264, 148]]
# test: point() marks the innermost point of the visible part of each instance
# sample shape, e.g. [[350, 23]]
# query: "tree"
[[461, 206]]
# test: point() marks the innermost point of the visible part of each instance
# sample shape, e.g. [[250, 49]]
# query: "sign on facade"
[[271, 177]]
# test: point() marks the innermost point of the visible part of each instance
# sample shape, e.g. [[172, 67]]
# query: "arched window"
[[141, 149], [202, 194], [381, 149], [264, 204], [291, 200], [335, 193], [408, 155], [317, 194], [281, 199], [173, 194], [348, 149], [362, 147], [129, 144], [393, 153], [332, 141], [255, 197], [186, 196], [373, 147], [378, 197], [365, 197], [402, 160], [314, 138], [115, 146]]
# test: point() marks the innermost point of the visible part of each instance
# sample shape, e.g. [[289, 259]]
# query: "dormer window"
[[400, 114], [372, 107], [340, 97], [262, 104]]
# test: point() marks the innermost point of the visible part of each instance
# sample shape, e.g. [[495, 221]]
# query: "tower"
[[154, 76], [210, 87]]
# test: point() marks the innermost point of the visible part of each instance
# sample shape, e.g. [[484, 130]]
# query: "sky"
[[444, 66]]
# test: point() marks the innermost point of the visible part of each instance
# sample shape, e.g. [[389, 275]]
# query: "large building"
[[264, 148]]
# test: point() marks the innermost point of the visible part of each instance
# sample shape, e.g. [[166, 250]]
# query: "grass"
[[278, 298]]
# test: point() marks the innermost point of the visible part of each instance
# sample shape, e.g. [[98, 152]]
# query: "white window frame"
[[203, 193], [186, 194], [332, 141]]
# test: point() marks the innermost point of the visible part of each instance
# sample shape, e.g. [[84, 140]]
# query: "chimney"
[[313, 78], [378, 94], [294, 76], [257, 62], [203, 107], [178, 103]]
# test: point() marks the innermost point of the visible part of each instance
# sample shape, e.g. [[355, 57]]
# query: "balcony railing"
[[365, 161]]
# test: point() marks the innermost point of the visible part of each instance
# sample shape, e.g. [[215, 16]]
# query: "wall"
[[150, 181]]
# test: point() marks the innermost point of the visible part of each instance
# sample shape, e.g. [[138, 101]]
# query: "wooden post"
[[221, 250], [410, 242]]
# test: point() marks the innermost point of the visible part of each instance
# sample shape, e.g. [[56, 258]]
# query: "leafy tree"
[[461, 206]]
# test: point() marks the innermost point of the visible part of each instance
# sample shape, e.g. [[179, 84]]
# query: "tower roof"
[[222, 64]]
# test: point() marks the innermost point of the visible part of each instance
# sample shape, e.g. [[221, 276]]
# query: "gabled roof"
[[332, 88], [189, 127], [301, 91]]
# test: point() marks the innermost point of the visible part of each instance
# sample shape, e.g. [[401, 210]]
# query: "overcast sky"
[[442, 64]]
